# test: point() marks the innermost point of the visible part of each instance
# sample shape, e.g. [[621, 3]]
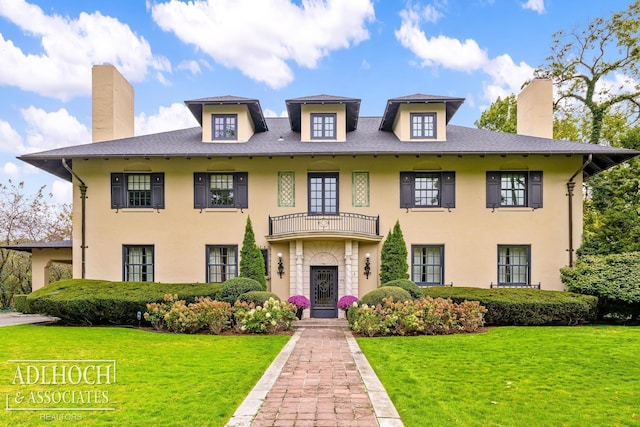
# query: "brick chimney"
[[535, 109], [111, 104]]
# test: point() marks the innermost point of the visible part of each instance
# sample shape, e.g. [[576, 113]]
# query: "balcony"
[[342, 225]]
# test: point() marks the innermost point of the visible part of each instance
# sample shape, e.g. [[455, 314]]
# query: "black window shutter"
[[117, 190], [535, 189], [493, 189], [241, 189], [157, 190], [200, 190], [448, 190], [406, 189]]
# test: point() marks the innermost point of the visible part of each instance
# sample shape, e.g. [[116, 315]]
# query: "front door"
[[324, 292]]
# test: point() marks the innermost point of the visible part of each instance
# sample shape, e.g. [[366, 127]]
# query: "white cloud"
[[174, 117], [62, 192], [44, 131], [535, 5], [11, 170], [69, 48], [431, 13], [450, 53], [192, 66], [441, 50], [270, 113], [365, 65], [262, 38]]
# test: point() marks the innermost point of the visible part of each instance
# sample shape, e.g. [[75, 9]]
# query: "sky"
[[271, 50]]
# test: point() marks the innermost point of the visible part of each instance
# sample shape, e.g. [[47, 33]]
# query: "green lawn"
[[162, 379], [513, 376]]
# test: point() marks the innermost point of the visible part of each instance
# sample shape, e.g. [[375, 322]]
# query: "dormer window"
[[323, 126], [423, 125], [224, 127]]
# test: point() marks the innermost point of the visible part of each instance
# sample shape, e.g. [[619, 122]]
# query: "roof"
[[391, 110], [367, 139], [253, 105], [294, 106], [29, 247]]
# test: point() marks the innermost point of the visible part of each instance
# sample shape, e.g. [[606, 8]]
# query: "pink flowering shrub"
[[299, 301], [346, 301]]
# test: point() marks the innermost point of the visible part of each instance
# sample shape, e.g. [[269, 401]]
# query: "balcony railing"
[[341, 224]]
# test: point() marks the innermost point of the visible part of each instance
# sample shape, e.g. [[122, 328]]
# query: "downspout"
[[570, 187], [83, 198]]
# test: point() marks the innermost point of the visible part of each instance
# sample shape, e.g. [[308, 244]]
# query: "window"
[[137, 190], [427, 265], [222, 263], [360, 189], [224, 126], [514, 189], [220, 190], [423, 125], [265, 258], [513, 265], [323, 126], [323, 194], [427, 189], [137, 263], [286, 189]]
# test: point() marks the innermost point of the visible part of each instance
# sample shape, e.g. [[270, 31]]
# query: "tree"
[[612, 210], [251, 261], [501, 115], [393, 263], [586, 66], [26, 218]]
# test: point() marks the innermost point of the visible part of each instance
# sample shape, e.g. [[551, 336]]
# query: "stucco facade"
[[323, 187]]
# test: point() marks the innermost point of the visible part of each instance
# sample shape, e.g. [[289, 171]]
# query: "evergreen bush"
[[233, 288], [257, 297], [407, 285], [251, 260], [393, 256], [376, 296]]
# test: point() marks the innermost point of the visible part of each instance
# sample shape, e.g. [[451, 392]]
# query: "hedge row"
[[100, 302], [517, 306]]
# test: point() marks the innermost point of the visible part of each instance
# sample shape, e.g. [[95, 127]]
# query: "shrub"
[[274, 316], [426, 316], [376, 296], [518, 306], [251, 260], [101, 302], [233, 288], [393, 256], [257, 297], [175, 315], [20, 303], [346, 301], [614, 279], [300, 301], [407, 285]]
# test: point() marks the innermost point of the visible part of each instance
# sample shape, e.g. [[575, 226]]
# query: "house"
[[323, 187]]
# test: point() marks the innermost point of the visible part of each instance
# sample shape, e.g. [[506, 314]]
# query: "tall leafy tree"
[[501, 115], [251, 260], [393, 263], [596, 68]]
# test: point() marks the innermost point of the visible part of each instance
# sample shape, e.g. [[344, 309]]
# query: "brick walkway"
[[322, 380]]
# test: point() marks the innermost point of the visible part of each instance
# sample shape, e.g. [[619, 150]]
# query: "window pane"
[[513, 189], [221, 190], [427, 190], [224, 126], [139, 264], [222, 263], [427, 265], [323, 126], [423, 125], [513, 265], [139, 190]]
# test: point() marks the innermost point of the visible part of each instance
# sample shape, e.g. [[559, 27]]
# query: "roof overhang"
[[253, 106], [391, 110], [294, 107], [29, 247]]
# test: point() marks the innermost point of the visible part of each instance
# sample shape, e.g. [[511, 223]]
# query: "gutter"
[[83, 198], [570, 187]]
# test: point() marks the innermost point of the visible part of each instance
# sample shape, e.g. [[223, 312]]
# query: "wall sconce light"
[[280, 265], [367, 266]]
